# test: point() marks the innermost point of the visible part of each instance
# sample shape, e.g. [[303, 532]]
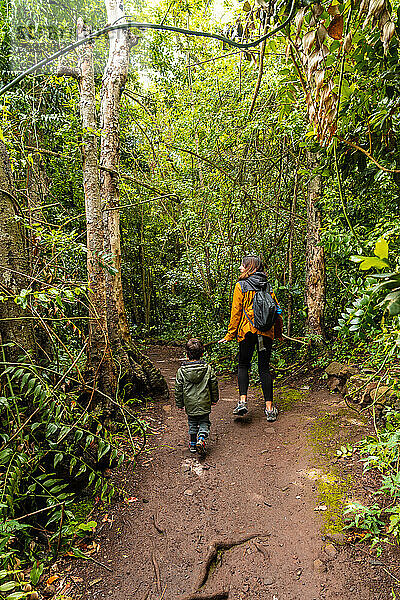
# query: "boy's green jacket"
[[196, 388]]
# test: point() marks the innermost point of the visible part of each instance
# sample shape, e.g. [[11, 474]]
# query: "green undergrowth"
[[378, 521], [83, 508], [55, 461]]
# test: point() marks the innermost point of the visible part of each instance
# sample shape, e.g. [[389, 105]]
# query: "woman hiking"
[[242, 327]]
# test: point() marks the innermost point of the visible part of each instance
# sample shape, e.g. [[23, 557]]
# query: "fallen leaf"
[[335, 29], [95, 581], [52, 579], [321, 507], [93, 547], [131, 499]]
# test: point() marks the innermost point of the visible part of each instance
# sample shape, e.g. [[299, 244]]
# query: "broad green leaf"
[[50, 429], [103, 449], [36, 573], [394, 308], [393, 295], [373, 262], [7, 587], [79, 554], [58, 458], [381, 248], [357, 259]]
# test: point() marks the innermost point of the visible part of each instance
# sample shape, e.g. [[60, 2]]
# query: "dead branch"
[[65, 71], [213, 550], [163, 594], [204, 158], [100, 563], [45, 151]]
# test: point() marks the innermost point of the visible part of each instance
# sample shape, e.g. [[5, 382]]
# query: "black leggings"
[[246, 350]]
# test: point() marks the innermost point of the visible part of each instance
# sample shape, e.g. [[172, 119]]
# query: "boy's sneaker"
[[192, 447], [271, 414], [241, 409], [201, 446]]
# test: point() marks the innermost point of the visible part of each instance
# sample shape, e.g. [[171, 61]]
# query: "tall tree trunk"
[[37, 184], [15, 327], [290, 252], [100, 362], [114, 80], [135, 368], [315, 263], [113, 359]]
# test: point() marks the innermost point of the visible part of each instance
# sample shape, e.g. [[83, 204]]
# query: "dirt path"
[[259, 480]]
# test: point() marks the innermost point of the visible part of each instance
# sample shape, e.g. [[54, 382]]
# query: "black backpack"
[[264, 306]]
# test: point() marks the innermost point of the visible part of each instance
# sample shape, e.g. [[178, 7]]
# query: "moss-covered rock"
[[324, 436]]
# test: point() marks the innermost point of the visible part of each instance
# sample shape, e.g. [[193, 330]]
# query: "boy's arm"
[[214, 387], [179, 390]]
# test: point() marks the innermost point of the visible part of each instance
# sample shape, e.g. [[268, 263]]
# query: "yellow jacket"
[[239, 324]]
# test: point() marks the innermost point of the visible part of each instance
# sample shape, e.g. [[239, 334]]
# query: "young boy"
[[196, 389]]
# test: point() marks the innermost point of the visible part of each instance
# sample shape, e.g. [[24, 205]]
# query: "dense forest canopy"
[[137, 170]]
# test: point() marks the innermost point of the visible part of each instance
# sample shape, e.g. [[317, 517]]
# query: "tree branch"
[[65, 71], [381, 167], [140, 26]]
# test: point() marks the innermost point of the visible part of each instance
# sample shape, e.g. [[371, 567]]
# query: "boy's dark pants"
[[199, 425]]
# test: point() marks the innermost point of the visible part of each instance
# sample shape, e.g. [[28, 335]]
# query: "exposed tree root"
[[213, 550], [156, 524], [156, 571], [261, 549], [223, 595]]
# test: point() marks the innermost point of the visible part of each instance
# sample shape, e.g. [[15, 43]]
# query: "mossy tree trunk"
[[100, 365], [136, 371], [16, 327], [315, 261], [113, 360]]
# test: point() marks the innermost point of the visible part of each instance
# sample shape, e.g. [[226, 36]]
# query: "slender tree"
[[315, 262], [15, 327], [100, 361], [113, 359], [134, 367], [114, 80]]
